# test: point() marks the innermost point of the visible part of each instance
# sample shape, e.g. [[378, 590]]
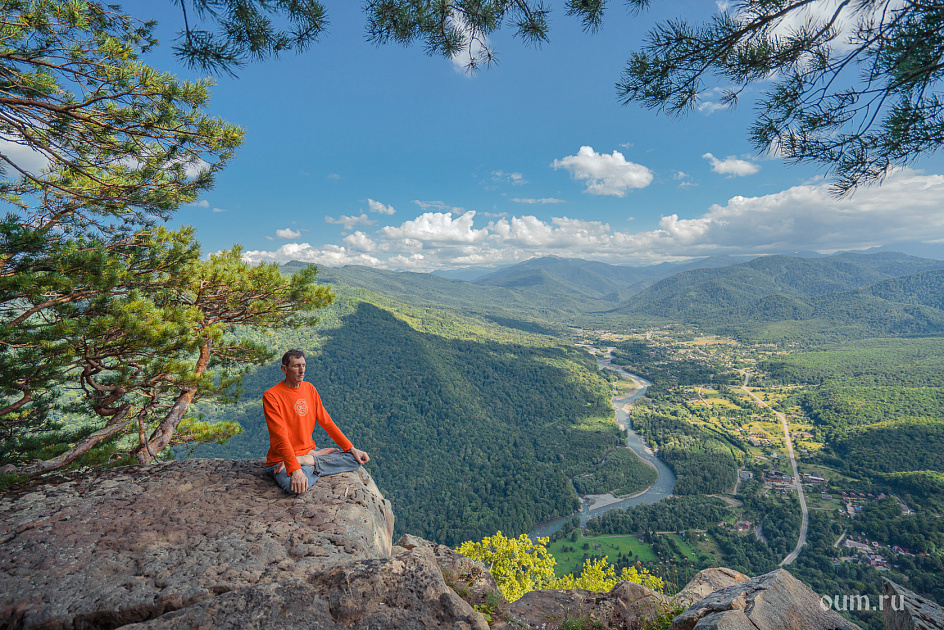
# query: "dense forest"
[[672, 514], [622, 472], [702, 464], [784, 298], [466, 437], [872, 362]]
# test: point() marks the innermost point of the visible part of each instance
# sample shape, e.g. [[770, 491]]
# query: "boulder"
[[773, 601], [406, 592], [117, 546], [625, 606], [904, 610], [706, 582], [470, 578]]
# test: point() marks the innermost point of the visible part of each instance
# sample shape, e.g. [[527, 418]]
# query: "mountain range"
[[848, 295]]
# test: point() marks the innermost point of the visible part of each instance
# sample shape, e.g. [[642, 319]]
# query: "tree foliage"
[[113, 142], [234, 31], [520, 565], [857, 87], [97, 299]]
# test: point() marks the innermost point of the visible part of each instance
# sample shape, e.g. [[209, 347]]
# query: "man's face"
[[294, 371]]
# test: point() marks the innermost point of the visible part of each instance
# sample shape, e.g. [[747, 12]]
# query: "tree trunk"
[[164, 432], [162, 435]]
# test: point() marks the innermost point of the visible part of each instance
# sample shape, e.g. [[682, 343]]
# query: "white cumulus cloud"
[[731, 165], [379, 208], [288, 233], [360, 242], [605, 174], [437, 227], [905, 208], [328, 255]]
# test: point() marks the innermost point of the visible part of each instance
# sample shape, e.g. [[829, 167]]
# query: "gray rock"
[[773, 601], [406, 592], [625, 606], [123, 545], [470, 578], [706, 582], [904, 610]]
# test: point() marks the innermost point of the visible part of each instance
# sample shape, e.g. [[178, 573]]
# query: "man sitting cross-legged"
[[292, 409]]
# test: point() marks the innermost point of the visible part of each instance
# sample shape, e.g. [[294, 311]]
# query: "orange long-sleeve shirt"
[[291, 415]]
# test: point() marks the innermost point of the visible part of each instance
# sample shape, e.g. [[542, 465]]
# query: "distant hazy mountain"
[[509, 306], [842, 295], [596, 280]]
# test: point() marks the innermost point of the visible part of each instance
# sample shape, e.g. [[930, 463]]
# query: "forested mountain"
[[842, 296], [597, 280], [770, 298], [582, 277], [468, 434], [425, 289], [550, 288]]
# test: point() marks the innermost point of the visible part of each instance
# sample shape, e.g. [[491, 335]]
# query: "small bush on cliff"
[[520, 565]]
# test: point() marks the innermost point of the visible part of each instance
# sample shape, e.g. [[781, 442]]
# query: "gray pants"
[[330, 464]]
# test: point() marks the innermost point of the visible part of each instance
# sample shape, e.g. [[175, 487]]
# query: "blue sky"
[[384, 156]]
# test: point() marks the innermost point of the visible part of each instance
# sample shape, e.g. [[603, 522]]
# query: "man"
[[292, 408]]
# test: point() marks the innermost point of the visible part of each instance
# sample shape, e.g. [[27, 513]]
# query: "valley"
[[808, 436]]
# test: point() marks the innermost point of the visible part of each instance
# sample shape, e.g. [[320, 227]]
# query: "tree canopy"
[[853, 86], [104, 311]]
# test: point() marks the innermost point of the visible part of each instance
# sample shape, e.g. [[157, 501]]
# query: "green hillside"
[[780, 298], [467, 434], [766, 299], [879, 406]]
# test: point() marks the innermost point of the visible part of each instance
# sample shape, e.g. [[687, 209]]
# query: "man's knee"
[[335, 463]]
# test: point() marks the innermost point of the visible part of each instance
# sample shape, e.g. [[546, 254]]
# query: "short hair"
[[293, 353]]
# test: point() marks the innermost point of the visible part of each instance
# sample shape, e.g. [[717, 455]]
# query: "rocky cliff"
[[215, 544]]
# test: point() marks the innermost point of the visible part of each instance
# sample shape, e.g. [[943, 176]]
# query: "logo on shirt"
[[301, 407]]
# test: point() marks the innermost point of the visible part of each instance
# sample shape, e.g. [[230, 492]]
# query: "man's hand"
[[360, 455], [299, 481]]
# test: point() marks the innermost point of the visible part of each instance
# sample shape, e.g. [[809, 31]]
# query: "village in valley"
[[723, 407]]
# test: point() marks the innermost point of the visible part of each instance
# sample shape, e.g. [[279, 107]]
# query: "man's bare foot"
[[322, 451]]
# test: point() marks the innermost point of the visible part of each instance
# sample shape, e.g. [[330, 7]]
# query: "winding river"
[[600, 504]]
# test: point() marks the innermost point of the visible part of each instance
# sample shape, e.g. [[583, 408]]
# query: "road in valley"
[[805, 523]]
